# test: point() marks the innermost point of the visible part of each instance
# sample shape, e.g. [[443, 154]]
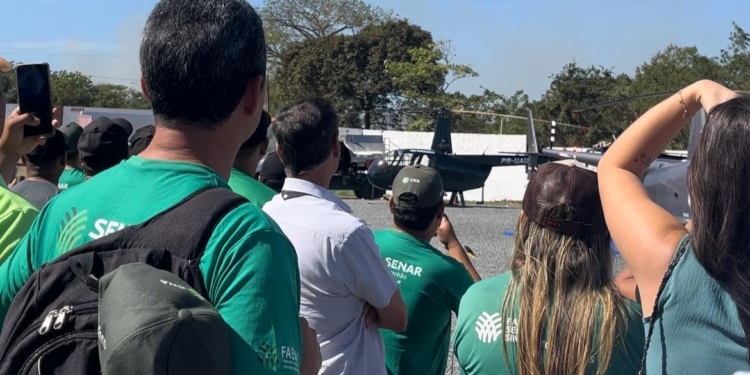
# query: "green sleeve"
[[17, 265], [254, 285], [457, 283]]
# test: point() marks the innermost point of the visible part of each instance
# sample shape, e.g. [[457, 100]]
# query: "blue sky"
[[512, 44]]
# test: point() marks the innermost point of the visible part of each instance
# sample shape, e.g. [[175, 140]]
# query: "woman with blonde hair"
[[556, 311], [694, 283]]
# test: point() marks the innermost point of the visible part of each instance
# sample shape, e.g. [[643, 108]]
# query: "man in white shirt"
[[341, 271]]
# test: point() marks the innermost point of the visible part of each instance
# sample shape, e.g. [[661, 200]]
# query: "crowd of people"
[[307, 287]]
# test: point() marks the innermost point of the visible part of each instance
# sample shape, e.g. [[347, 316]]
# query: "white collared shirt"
[[340, 269]]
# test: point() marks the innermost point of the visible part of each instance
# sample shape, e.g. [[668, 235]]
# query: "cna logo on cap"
[[407, 180]]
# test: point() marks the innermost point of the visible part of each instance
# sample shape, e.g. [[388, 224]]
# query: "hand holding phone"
[[35, 97], [13, 141]]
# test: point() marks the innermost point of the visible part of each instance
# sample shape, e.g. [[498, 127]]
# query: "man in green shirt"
[[246, 162], [430, 282], [206, 91], [73, 174]]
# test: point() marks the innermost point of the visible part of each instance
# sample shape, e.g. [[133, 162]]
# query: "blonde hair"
[[569, 310]]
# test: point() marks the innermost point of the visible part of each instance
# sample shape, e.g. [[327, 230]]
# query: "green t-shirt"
[[255, 191], [16, 216], [699, 330], [70, 177], [249, 267], [431, 284], [479, 340]]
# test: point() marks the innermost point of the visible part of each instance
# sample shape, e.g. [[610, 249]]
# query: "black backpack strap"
[[186, 227]]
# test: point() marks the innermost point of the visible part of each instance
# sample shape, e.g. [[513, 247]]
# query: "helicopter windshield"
[[404, 158]]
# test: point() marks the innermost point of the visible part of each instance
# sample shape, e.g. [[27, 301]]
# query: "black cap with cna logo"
[[153, 322], [103, 144], [423, 182], [556, 185]]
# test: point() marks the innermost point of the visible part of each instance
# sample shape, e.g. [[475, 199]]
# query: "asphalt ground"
[[487, 230]]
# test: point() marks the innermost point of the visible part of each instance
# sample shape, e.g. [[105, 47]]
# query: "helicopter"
[[459, 172], [665, 179]]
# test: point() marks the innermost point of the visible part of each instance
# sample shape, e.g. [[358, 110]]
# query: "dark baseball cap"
[[260, 134], [103, 144], [141, 139], [125, 124], [272, 172], [555, 185], [424, 182], [53, 148], [72, 132], [153, 322]]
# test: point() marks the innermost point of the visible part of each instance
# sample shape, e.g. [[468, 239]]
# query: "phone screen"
[[34, 96]]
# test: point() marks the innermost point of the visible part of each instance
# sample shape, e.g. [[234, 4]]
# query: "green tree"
[[119, 96], [349, 70], [289, 21], [577, 87], [736, 59], [72, 89], [8, 84]]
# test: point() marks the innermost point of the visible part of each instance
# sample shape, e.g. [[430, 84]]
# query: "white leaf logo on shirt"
[[489, 327]]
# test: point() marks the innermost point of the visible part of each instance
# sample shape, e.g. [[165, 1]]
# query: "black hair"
[[88, 171], [718, 177], [197, 58], [274, 183], [44, 164], [410, 218], [306, 132]]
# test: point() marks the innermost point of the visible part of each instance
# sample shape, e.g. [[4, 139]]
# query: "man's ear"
[[391, 204], [254, 96], [263, 149], [144, 89], [337, 149], [278, 152]]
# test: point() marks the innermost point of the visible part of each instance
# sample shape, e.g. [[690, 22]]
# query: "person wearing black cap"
[[73, 174], [246, 162], [44, 165], [560, 281], [272, 172], [125, 124], [141, 139], [103, 144], [431, 282]]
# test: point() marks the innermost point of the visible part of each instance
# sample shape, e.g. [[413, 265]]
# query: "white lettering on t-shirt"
[[290, 358], [105, 227], [400, 266]]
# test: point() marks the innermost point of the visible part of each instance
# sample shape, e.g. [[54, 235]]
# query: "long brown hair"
[[719, 189], [563, 287]]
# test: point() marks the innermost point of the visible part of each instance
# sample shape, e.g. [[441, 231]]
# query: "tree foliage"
[[289, 21], [349, 70], [76, 89]]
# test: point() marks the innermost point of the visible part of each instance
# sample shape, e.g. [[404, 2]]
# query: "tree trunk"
[[368, 119]]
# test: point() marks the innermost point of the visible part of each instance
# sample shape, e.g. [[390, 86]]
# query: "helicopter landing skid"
[[460, 196]]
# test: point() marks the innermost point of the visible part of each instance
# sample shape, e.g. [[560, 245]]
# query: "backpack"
[[51, 325]]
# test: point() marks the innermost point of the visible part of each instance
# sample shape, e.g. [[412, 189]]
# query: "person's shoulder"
[[13, 204], [246, 221], [492, 285]]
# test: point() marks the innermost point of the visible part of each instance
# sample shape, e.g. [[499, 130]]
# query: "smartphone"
[[35, 96]]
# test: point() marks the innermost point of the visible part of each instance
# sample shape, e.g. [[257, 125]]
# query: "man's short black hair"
[[197, 58], [410, 218], [305, 133]]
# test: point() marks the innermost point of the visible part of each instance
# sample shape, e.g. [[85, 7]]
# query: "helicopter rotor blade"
[[623, 100]]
